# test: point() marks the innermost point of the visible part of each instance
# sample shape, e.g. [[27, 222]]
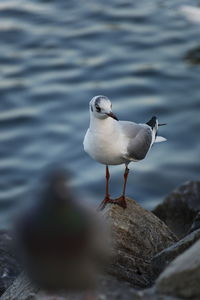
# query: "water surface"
[[56, 55]]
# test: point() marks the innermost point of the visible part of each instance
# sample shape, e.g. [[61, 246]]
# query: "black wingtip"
[[152, 122]]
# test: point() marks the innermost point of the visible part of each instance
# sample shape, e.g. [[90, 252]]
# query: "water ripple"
[[56, 55]]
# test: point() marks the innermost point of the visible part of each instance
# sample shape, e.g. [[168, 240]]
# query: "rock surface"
[[109, 288], [59, 240], [196, 223], [137, 235], [21, 289], [179, 209], [9, 266], [161, 260], [182, 276]]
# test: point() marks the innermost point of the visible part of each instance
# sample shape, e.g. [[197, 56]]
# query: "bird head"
[[101, 107]]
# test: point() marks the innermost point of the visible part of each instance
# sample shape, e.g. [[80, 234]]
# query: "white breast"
[[105, 144]]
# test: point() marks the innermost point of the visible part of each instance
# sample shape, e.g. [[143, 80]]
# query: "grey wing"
[[140, 136]]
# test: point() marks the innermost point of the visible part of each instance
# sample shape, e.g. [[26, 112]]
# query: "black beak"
[[162, 124], [112, 116]]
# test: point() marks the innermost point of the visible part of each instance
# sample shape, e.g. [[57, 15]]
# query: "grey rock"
[[180, 208], [109, 288], [196, 223], [161, 260], [57, 238], [182, 277], [9, 266], [137, 235], [151, 294], [21, 289]]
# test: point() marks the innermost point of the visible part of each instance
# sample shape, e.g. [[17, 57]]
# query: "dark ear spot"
[[98, 109], [91, 108]]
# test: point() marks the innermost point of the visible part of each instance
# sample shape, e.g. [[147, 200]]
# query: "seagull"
[[113, 142]]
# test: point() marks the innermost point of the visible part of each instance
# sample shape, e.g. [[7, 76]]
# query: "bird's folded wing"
[[140, 138]]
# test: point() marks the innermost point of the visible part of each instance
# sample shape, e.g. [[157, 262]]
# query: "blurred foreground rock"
[[182, 277], [162, 259], [196, 223], [180, 208], [9, 266], [60, 241], [137, 235], [21, 289], [109, 288]]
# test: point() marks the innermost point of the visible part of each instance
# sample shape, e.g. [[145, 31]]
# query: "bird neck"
[[102, 125]]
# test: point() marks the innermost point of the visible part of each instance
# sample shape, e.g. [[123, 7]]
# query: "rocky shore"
[[154, 255]]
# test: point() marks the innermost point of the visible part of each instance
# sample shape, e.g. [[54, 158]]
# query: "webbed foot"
[[121, 201]]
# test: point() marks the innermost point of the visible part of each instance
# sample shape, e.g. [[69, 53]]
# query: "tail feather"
[[152, 122], [160, 139]]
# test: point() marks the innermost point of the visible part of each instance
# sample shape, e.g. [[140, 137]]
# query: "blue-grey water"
[[56, 55]]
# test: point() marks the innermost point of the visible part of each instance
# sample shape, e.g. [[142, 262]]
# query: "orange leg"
[[121, 201], [107, 195]]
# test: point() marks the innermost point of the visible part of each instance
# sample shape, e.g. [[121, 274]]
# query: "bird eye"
[[98, 109]]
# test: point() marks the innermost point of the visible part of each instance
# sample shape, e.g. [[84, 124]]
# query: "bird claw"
[[104, 203], [120, 201]]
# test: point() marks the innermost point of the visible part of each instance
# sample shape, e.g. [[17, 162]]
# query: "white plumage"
[[113, 142]]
